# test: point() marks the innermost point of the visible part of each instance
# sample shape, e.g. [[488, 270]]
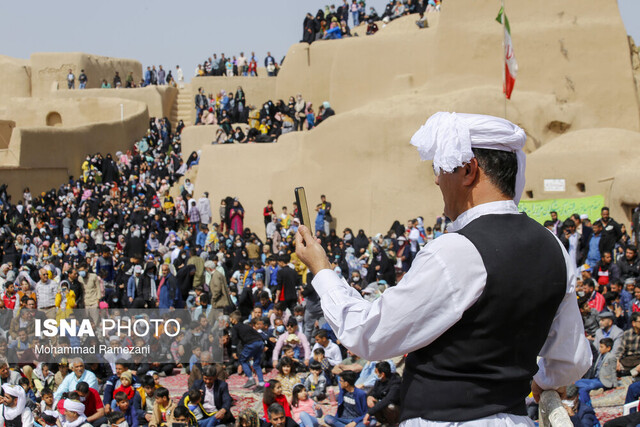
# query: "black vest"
[[484, 363], [16, 422]]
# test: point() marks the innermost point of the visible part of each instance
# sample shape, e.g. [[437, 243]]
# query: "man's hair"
[[632, 248], [608, 342], [322, 333], [604, 208], [82, 387], [319, 350], [349, 377], [236, 315], [635, 316], [275, 409], [598, 223], [162, 392], [121, 396], [501, 167], [210, 371], [384, 368], [114, 416]]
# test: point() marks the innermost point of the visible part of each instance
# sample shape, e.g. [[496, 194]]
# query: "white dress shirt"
[[446, 278]]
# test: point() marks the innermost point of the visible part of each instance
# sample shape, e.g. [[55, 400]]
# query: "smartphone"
[[303, 210]]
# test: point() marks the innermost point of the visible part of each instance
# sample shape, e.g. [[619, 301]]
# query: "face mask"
[[183, 257], [122, 424], [299, 318], [82, 273], [197, 334], [569, 403], [581, 293], [356, 279], [280, 329], [238, 244]]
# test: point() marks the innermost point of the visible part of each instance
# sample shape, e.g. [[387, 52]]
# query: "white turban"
[[17, 392], [447, 139], [74, 406]]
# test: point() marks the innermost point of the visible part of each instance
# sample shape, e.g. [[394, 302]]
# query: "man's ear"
[[471, 172]]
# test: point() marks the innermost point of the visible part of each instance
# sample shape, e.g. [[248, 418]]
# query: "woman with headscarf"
[[236, 215], [381, 266], [360, 242]]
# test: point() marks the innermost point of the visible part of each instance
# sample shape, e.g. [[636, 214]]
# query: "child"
[[273, 394], [115, 418], [65, 301], [181, 416], [31, 396], [163, 409], [252, 348], [351, 401], [196, 351], [144, 405], [287, 376], [303, 408], [126, 387], [604, 373], [193, 402], [316, 382], [318, 356], [123, 404], [74, 414], [46, 404]]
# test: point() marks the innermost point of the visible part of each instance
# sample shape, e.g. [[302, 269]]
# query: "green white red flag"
[[510, 63]]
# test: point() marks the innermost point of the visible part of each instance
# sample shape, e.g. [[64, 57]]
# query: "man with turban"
[[74, 414], [12, 409], [478, 304]]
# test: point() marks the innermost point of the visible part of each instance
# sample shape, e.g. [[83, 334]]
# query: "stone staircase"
[[183, 108]]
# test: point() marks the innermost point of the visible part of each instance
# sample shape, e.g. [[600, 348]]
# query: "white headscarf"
[[447, 139], [17, 392]]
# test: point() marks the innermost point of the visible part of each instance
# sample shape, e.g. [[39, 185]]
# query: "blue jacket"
[[361, 403], [221, 395], [170, 295], [131, 416], [586, 417]]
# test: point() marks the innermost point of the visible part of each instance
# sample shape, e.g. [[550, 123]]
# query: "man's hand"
[[148, 417], [351, 424], [365, 420], [220, 414], [371, 401], [311, 254], [536, 390]]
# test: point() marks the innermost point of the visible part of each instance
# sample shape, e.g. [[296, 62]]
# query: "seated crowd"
[[266, 124]]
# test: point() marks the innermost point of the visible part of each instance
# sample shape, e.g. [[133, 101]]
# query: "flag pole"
[[504, 59]]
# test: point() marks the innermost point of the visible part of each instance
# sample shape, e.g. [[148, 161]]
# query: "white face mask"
[[122, 424]]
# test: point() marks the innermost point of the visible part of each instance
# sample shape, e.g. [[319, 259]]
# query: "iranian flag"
[[510, 63]]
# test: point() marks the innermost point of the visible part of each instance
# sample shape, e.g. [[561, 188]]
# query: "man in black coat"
[[288, 283], [209, 386]]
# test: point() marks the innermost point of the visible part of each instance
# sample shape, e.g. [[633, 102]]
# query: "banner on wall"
[[539, 209]]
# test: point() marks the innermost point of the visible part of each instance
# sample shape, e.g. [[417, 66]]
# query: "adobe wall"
[[258, 90], [16, 77], [615, 176], [159, 99], [38, 146], [6, 128], [49, 70], [38, 180], [575, 73]]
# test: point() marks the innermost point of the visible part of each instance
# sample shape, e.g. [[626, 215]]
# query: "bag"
[[271, 68]]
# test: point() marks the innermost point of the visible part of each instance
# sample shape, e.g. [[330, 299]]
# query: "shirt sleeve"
[[566, 354], [446, 278]]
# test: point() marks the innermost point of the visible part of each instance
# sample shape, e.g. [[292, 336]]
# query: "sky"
[[170, 33]]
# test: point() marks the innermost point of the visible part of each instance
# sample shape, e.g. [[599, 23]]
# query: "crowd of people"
[[236, 66], [333, 22], [151, 77], [266, 124]]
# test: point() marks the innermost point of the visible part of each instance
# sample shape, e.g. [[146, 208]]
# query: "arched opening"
[[581, 187], [54, 119]]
